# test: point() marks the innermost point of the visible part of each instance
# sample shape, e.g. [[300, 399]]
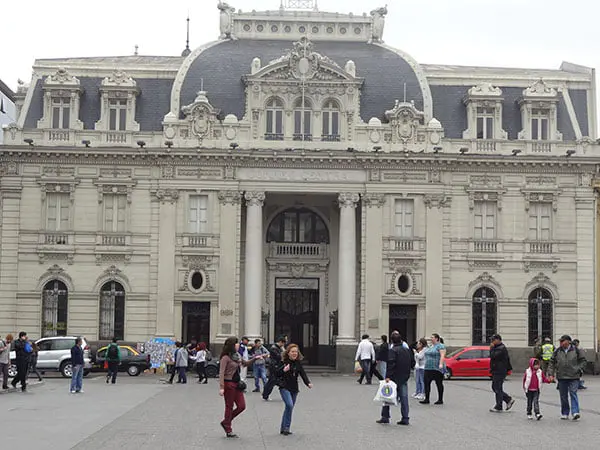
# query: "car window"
[[62, 344], [128, 352], [471, 354], [485, 353], [101, 353], [45, 345]]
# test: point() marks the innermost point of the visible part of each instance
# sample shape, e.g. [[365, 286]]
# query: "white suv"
[[55, 354]]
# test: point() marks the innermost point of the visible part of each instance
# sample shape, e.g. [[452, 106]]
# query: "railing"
[[114, 240], [485, 247], [486, 145], [404, 245], [330, 138], [116, 137], [273, 136], [298, 250], [302, 137], [541, 147], [540, 247], [198, 241], [58, 135], [56, 239]]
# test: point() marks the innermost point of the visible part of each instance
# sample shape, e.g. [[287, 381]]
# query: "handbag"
[[241, 385], [105, 365], [387, 393]]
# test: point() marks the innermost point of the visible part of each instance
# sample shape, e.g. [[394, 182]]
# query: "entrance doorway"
[[297, 316], [404, 319], [196, 322]]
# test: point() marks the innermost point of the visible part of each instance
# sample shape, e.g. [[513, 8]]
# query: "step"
[[321, 370]]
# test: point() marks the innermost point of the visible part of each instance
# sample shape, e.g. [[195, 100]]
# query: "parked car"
[[55, 354], [132, 361], [212, 367], [473, 361]]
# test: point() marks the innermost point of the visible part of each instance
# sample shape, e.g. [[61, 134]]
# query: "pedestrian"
[[5, 359], [499, 367], [567, 365], [113, 359], [435, 355], [172, 363], [274, 360], [420, 369], [537, 348], [547, 352], [382, 355], [231, 387], [200, 359], [289, 370], [365, 355], [23, 351], [33, 360], [259, 368], [399, 366], [181, 363], [245, 357], [532, 385], [577, 345], [77, 367]]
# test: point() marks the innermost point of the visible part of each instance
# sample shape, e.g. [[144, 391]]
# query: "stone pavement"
[[142, 413]]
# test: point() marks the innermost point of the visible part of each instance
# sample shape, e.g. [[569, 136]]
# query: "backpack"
[[28, 348], [113, 352]]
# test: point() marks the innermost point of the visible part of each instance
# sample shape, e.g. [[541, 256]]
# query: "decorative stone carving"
[[201, 116], [541, 195], [167, 195], [478, 264], [199, 262], [168, 171], [229, 197], [373, 200], [378, 23], [529, 265], [62, 85], [254, 198], [541, 97], [119, 78], [112, 273], [114, 188], [63, 77], [405, 119], [485, 279], [488, 97], [540, 89], [543, 281], [9, 168], [227, 312], [55, 272], [489, 195], [437, 200], [348, 199], [59, 187], [225, 20]]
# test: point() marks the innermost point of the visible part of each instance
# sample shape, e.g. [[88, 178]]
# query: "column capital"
[[348, 199], [437, 200], [373, 200], [230, 197], [167, 195], [254, 198]]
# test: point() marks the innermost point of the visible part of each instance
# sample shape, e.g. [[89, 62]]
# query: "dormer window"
[[117, 115], [539, 124], [485, 123], [539, 113], [61, 106], [484, 113], [119, 92], [274, 118], [61, 112], [331, 122], [302, 120]]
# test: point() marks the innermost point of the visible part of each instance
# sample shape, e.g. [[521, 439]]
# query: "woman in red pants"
[[231, 387]]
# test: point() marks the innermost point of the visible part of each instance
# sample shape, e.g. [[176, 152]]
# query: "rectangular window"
[[115, 213], [117, 117], [198, 214], [539, 124], [540, 219], [485, 220], [57, 211], [61, 112], [485, 123], [404, 214], [274, 122]]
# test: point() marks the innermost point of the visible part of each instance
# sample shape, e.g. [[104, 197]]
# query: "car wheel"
[[447, 374], [66, 369], [133, 371], [212, 372], [12, 371]]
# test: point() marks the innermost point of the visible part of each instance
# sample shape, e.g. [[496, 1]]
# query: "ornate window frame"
[[539, 96], [189, 277], [58, 186], [61, 85], [118, 86], [484, 95], [114, 187]]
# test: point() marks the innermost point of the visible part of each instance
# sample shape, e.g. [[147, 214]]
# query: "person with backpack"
[[113, 359], [23, 350]]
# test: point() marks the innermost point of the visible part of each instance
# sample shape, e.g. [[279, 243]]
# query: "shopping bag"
[[387, 393], [357, 367], [105, 365]]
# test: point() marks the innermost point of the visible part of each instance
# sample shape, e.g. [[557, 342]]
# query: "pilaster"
[[585, 215], [372, 261], [254, 264], [10, 196]]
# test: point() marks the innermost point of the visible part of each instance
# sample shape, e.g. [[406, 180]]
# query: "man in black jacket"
[[22, 361], [499, 368], [400, 363], [274, 361]]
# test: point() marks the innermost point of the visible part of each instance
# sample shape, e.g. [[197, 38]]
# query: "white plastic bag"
[[387, 393]]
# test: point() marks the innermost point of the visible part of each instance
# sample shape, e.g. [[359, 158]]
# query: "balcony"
[[539, 247], [55, 239], [112, 240], [303, 137], [485, 145], [541, 147], [402, 245], [117, 137], [273, 136], [298, 250], [198, 240], [59, 135], [330, 138], [485, 246]]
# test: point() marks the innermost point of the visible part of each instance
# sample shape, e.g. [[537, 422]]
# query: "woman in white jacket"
[[420, 369]]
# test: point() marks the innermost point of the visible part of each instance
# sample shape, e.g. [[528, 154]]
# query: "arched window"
[[298, 225], [302, 120], [484, 315], [540, 315], [331, 122], [274, 125], [55, 307], [112, 311]]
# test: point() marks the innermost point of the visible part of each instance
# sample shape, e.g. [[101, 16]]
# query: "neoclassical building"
[[299, 176]]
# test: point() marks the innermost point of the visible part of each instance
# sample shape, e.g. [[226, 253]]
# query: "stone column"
[[434, 273], [10, 318], [347, 269], [585, 215], [229, 264], [254, 264], [165, 320]]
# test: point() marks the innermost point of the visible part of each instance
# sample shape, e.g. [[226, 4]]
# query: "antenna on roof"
[[202, 84], [187, 50], [136, 48], [404, 92]]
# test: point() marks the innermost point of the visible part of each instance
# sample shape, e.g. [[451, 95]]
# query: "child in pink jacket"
[[532, 384]]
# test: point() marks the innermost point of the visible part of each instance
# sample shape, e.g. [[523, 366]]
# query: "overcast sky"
[[509, 33]]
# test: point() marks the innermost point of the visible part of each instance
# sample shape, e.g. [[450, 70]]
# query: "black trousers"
[[22, 371], [498, 388], [173, 372], [438, 377], [113, 370], [201, 369], [268, 388]]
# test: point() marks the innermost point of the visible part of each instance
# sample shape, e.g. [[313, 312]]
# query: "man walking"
[[566, 365], [274, 362], [243, 351], [23, 351], [382, 355], [113, 358], [259, 368], [5, 359], [365, 355], [77, 367], [400, 363], [499, 367], [547, 352]]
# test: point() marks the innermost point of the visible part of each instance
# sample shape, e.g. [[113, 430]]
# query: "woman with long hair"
[[201, 363], [230, 385], [34, 360], [288, 372]]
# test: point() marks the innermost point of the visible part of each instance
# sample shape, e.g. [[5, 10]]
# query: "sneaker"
[[402, 422], [73, 392], [382, 421], [510, 404], [439, 402], [286, 432], [495, 410], [107, 380], [538, 416], [424, 402], [564, 417], [415, 395], [529, 416], [232, 435], [79, 392], [576, 416], [256, 390]]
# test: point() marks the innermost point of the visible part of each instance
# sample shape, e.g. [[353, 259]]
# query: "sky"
[[505, 33]]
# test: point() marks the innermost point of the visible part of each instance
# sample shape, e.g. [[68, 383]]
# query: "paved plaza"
[[143, 413]]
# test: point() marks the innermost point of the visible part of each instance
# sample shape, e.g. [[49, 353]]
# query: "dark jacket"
[[289, 380], [499, 360], [76, 355], [20, 354], [567, 365], [117, 358], [382, 352], [400, 363], [275, 356]]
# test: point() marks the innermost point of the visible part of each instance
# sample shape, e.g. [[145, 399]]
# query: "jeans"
[[533, 400], [289, 398], [568, 388], [270, 384], [260, 373], [182, 376], [383, 368], [365, 365], [4, 372], [232, 396], [77, 378], [113, 369], [420, 381], [438, 377], [402, 400], [498, 388]]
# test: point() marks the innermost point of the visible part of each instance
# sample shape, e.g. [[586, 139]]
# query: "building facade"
[[7, 107], [298, 176]]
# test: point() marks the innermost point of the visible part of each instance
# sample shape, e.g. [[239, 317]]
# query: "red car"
[[471, 361]]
